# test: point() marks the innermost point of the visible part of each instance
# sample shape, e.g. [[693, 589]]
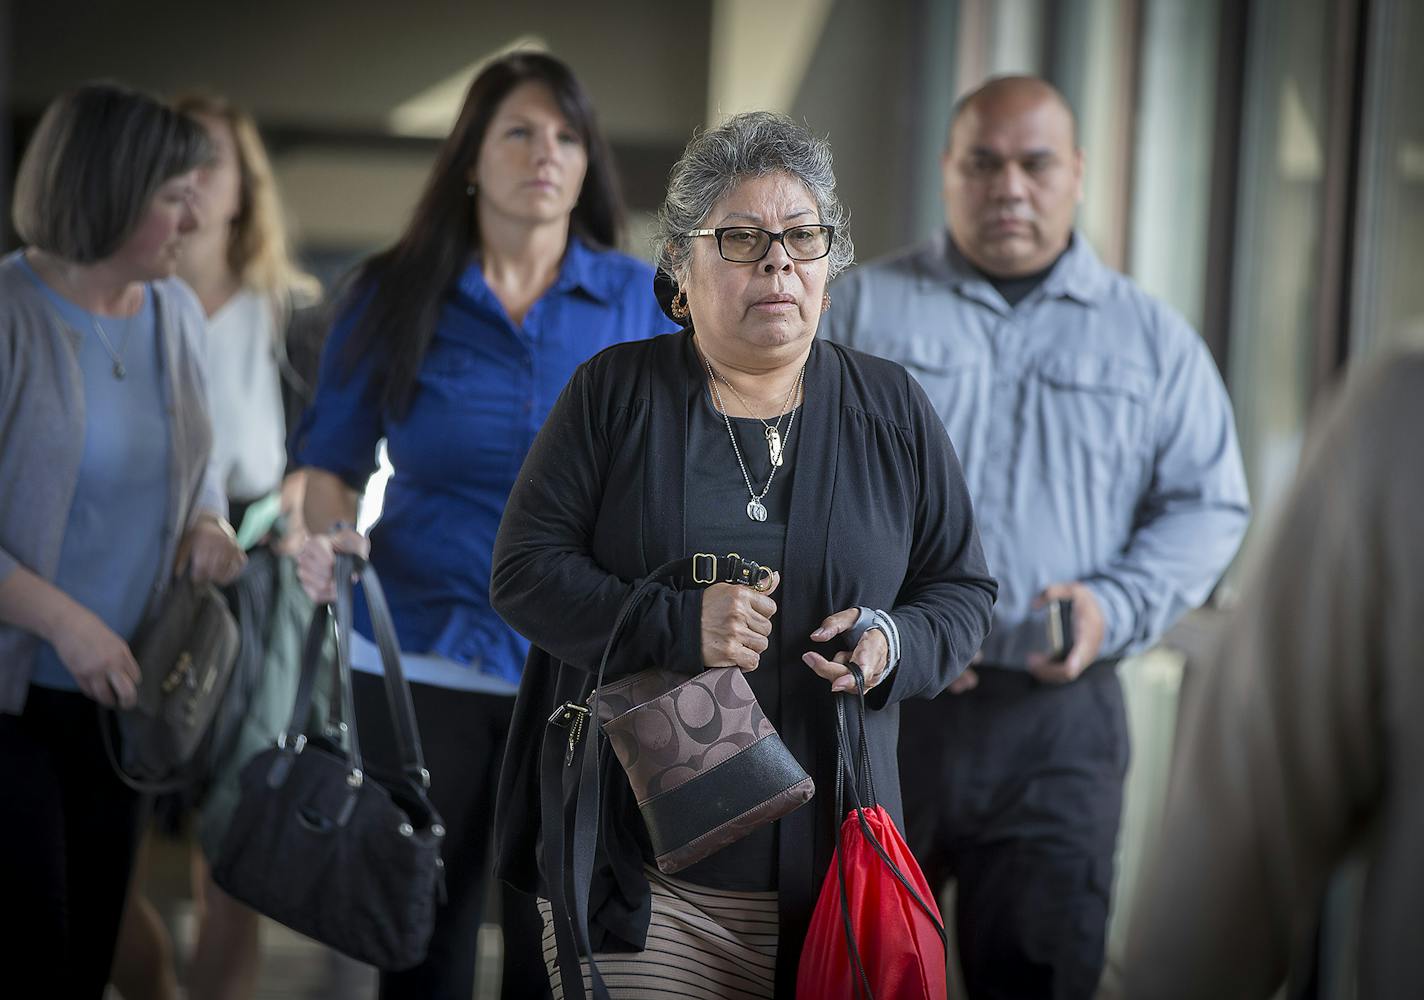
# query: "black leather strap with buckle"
[[708, 569]]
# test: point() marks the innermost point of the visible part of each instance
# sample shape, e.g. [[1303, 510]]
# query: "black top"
[[880, 516], [717, 521], [1015, 290]]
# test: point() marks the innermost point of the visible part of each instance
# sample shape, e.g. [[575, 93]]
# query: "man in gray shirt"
[[1099, 447]]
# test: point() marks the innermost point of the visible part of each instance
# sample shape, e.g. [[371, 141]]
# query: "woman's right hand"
[[100, 661], [316, 563], [736, 624]]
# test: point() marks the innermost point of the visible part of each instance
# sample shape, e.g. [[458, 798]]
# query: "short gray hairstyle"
[[748, 145]]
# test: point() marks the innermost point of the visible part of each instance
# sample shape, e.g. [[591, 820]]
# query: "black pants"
[[1014, 789], [67, 844], [462, 734]]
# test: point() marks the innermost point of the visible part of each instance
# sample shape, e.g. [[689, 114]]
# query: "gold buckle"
[[180, 670], [763, 580], [711, 573]]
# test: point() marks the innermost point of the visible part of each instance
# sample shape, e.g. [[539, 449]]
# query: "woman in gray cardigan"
[[104, 442]]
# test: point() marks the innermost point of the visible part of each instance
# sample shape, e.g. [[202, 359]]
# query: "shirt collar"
[[1079, 274], [580, 269]]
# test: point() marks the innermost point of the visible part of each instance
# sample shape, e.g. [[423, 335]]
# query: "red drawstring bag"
[[876, 932]]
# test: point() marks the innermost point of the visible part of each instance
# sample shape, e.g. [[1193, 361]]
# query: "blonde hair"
[[258, 250]]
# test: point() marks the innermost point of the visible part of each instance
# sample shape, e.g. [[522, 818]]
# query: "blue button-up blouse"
[[485, 387]]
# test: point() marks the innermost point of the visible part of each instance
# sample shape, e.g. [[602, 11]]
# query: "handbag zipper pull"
[[570, 714], [575, 734]]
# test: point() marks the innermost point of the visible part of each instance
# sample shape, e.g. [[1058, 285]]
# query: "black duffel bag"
[[321, 846]]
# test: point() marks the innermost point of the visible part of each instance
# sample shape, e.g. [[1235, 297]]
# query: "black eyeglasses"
[[748, 244]]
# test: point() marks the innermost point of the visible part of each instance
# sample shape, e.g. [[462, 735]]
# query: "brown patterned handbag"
[[705, 763]]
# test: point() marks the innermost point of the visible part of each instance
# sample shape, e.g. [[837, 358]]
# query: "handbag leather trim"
[[734, 787], [734, 829]]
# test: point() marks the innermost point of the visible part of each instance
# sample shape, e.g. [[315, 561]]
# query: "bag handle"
[[845, 769], [402, 706], [109, 736], [397, 688], [312, 647]]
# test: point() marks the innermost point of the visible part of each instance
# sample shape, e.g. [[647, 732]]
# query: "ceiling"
[[349, 64]]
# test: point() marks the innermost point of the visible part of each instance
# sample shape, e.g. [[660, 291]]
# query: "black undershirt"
[[1014, 290], [717, 522]]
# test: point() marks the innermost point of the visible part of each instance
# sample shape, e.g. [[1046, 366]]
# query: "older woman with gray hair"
[[742, 434]]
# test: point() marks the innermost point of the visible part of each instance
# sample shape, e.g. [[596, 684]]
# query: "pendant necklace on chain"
[[773, 431], [116, 356], [756, 510]]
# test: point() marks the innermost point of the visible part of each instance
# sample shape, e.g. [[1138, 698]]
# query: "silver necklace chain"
[[756, 510], [116, 356], [773, 433]]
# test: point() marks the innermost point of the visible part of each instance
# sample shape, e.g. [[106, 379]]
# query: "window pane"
[[1171, 198], [1388, 306], [1281, 200]]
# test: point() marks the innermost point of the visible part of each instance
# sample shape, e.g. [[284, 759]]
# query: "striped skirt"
[[708, 944]]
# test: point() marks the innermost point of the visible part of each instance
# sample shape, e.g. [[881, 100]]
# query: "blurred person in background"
[[105, 494], [262, 345], [452, 346], [1100, 450], [239, 263], [1300, 742]]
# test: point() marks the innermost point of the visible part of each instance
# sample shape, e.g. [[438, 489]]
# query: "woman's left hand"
[[872, 653], [210, 551]]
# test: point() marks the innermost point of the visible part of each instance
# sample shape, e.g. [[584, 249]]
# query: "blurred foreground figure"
[[1301, 742], [105, 499]]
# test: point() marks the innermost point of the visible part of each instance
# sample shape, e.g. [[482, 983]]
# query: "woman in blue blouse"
[[453, 346]]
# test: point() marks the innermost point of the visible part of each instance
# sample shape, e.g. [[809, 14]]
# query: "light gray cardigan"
[[42, 441]]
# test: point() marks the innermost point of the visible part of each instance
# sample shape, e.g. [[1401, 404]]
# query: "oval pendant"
[[755, 510], [773, 445]]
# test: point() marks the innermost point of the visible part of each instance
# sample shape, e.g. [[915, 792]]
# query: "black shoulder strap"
[[570, 870]]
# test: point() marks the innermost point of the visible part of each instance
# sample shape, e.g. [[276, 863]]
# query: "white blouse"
[[244, 386]]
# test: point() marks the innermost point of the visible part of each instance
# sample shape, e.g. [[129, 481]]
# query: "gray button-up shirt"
[[1096, 436]]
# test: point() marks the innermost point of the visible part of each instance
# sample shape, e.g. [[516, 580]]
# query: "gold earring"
[[679, 305], [825, 302]]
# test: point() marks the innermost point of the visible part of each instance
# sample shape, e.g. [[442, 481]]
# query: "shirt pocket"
[[1094, 415], [949, 374]]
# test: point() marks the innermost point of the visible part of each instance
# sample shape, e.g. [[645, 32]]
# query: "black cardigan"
[[880, 516]]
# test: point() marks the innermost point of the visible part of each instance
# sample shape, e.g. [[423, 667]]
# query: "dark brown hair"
[[407, 283], [99, 155]]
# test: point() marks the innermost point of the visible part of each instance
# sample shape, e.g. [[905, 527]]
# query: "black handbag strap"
[[565, 726], [402, 707], [856, 768], [398, 697], [312, 648]]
